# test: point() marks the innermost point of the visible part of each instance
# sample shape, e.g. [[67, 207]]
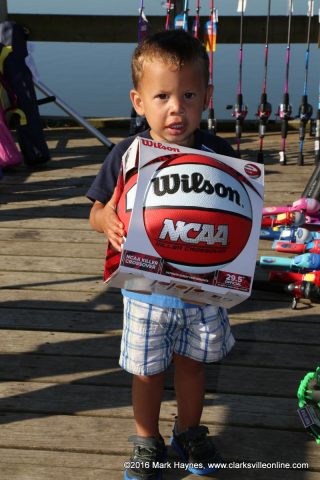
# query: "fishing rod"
[[170, 6], [265, 108], [315, 124], [138, 123], [285, 109], [305, 109], [210, 42], [317, 134], [181, 20], [196, 23], [239, 109], [143, 26]]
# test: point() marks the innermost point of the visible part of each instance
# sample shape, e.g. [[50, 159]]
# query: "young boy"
[[170, 78]]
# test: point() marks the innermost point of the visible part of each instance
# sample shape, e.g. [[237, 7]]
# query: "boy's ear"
[[208, 95], [136, 101]]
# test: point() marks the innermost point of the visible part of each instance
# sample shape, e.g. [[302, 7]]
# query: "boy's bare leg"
[[189, 381], [146, 398]]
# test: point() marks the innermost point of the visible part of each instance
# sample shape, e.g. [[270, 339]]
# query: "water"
[[95, 78]]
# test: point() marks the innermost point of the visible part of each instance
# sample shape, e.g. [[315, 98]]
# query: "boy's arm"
[[104, 219]]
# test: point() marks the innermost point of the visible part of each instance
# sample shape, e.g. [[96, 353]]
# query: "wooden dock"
[[65, 407]]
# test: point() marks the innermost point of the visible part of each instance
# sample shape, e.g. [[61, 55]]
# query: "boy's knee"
[[147, 379], [187, 365]]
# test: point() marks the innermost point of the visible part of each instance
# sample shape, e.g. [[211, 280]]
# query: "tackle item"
[[264, 108]]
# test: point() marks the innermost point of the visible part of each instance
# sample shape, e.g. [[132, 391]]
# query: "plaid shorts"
[[151, 335]]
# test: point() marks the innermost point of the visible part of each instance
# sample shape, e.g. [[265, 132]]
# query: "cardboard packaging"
[[194, 227]]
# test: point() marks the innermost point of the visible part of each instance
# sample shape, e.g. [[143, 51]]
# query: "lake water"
[[95, 78]]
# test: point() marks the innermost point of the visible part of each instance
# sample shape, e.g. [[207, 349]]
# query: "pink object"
[[9, 153], [310, 206]]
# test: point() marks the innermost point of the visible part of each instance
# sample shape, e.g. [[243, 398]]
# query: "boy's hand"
[[104, 218]]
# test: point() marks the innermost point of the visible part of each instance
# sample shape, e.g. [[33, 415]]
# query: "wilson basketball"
[[197, 213], [126, 201]]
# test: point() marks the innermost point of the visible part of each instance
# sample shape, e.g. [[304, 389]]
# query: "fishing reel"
[[309, 403], [303, 291], [239, 109], [138, 124], [263, 113], [305, 112], [264, 110], [285, 111]]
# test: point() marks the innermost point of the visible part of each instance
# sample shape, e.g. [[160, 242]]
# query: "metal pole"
[[3, 11], [72, 113]]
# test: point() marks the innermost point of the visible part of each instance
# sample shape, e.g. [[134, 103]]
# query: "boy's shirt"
[[103, 186]]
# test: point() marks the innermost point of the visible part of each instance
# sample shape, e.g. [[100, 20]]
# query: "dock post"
[[3, 11]]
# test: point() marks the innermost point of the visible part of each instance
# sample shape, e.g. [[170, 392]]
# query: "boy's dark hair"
[[175, 47]]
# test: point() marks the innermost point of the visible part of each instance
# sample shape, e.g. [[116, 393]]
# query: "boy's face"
[[172, 100]]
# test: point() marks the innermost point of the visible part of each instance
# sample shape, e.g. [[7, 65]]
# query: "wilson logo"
[[194, 232], [171, 184], [150, 143], [252, 170]]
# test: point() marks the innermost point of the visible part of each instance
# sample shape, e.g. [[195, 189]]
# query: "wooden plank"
[[52, 281], [224, 378], [61, 320], [49, 249], [20, 464], [21, 471], [73, 217], [250, 311], [81, 164], [103, 297], [103, 300], [115, 402], [12, 238], [261, 354], [278, 332], [51, 264], [265, 354], [43, 181], [66, 433], [87, 168], [66, 197], [60, 343], [102, 322]]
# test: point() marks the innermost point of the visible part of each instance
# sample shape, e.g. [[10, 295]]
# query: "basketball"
[[197, 213]]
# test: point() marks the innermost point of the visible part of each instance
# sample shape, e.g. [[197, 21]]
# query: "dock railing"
[[123, 28]]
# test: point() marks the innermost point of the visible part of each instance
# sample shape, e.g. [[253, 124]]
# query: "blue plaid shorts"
[[151, 335]]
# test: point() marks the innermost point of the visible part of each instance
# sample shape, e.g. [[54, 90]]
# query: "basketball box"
[[192, 221]]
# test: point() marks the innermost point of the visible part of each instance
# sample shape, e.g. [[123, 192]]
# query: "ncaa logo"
[[252, 170]]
